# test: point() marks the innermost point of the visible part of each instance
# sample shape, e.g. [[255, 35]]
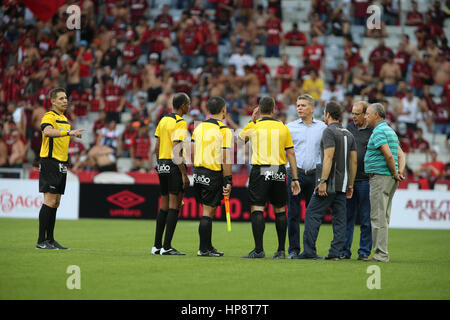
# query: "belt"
[[307, 172]]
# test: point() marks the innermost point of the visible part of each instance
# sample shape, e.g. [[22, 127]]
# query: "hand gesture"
[[76, 133]]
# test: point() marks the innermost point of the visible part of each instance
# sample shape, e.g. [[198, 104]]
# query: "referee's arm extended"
[[53, 133]]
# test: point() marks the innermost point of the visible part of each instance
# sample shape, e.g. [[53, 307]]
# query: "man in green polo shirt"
[[384, 162]]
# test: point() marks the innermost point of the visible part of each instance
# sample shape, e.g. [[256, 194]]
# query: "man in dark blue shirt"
[[360, 201]]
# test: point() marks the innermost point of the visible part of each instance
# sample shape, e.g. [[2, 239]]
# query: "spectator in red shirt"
[[414, 17], [274, 33], [130, 52], [156, 39], [379, 56], [183, 80], [421, 75], [164, 18], [295, 37], [80, 102], [419, 144], [42, 95], [211, 44], [429, 30], [141, 151], [95, 102], [360, 11], [263, 72], [190, 44], [99, 124], [431, 170], [75, 150], [351, 54], [284, 74], [315, 53], [442, 116], [137, 10], [127, 137], [86, 62], [402, 59], [303, 71], [113, 100]]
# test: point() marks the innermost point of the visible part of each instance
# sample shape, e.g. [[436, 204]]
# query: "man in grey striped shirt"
[[339, 163]]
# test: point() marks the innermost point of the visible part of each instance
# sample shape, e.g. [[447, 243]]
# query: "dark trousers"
[[360, 202], [307, 189], [315, 212]]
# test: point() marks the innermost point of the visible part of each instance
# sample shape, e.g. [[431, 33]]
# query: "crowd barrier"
[[19, 198]]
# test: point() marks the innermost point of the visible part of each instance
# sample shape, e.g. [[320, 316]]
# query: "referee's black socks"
[[281, 226], [205, 232], [258, 226], [171, 223], [51, 225], [160, 225], [44, 221]]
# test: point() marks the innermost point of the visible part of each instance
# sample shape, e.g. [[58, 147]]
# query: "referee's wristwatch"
[[323, 181]]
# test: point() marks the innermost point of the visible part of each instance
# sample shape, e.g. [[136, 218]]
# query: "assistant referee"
[[212, 155], [54, 156]]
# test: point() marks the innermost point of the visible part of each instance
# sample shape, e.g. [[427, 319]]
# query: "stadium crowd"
[[126, 60]]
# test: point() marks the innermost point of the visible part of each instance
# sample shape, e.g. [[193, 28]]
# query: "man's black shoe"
[[45, 245], [344, 257], [171, 252], [57, 245], [254, 255], [302, 256], [279, 255], [207, 254], [215, 251], [362, 257]]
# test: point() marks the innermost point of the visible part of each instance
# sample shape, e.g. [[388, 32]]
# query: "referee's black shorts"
[[268, 183], [52, 176], [208, 186], [170, 179]]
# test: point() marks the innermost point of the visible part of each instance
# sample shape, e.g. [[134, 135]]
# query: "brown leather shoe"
[[372, 260]]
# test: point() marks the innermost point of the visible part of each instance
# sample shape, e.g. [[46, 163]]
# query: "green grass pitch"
[[115, 263]]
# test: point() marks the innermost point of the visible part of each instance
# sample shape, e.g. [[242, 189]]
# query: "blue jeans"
[[307, 189], [273, 51], [315, 212], [360, 202]]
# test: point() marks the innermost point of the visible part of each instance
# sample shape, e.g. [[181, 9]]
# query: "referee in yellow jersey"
[[170, 135], [271, 143], [54, 156], [211, 155]]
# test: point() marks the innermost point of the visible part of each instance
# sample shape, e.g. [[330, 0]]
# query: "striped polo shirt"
[[374, 161]]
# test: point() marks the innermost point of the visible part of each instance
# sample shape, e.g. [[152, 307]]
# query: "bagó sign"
[[20, 198]]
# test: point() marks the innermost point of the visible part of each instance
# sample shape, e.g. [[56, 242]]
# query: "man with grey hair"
[[360, 201], [306, 133], [384, 162]]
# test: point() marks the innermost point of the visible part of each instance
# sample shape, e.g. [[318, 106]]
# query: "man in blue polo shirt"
[[382, 162]]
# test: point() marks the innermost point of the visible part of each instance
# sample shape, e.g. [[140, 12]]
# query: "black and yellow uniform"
[[210, 138], [269, 139], [171, 128], [54, 154]]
